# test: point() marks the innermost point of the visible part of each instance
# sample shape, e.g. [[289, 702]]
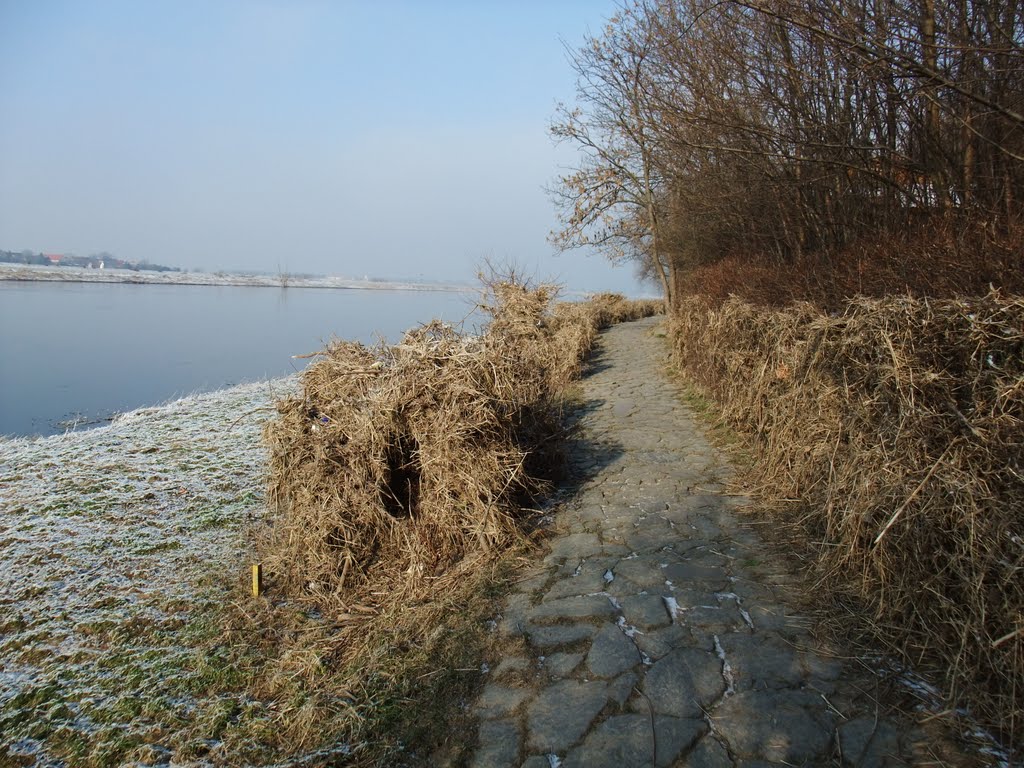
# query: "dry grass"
[[894, 434], [940, 257], [397, 466], [399, 474]]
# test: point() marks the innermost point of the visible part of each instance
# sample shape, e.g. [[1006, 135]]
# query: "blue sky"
[[397, 139]]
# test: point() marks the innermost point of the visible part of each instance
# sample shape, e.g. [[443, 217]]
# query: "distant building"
[[53, 258]]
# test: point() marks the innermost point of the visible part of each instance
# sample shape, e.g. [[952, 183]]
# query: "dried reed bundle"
[[898, 428], [397, 461], [400, 471]]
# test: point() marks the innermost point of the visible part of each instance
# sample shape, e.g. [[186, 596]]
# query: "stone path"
[[657, 630]]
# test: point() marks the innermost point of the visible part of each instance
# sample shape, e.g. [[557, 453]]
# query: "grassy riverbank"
[[121, 546]]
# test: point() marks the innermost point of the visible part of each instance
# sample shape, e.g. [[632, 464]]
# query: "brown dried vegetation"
[[893, 434], [788, 133], [399, 465], [401, 474], [937, 258]]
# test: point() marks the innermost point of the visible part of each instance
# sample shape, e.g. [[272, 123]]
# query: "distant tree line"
[[712, 129], [95, 261]]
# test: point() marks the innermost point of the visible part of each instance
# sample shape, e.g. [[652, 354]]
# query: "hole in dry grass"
[[400, 489]]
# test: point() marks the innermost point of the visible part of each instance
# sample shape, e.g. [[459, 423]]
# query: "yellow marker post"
[[257, 580]]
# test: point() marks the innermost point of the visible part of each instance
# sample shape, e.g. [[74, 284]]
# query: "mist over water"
[[80, 353]]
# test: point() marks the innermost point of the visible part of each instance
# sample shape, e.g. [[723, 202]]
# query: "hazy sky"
[[394, 139]]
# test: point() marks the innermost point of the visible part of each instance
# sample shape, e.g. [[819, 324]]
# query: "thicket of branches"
[[786, 130]]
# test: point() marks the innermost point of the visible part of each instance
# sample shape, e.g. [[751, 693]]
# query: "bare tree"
[[610, 200], [710, 128]]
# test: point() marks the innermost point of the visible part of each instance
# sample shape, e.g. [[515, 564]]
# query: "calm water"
[[80, 351]]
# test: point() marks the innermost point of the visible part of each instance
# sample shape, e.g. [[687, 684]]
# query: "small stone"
[[559, 635], [562, 664], [579, 607], [589, 580], [645, 611], [621, 688], [627, 740], [867, 743], [575, 546], [778, 726], [709, 753], [499, 745], [561, 714], [499, 700], [760, 662], [684, 682], [611, 653]]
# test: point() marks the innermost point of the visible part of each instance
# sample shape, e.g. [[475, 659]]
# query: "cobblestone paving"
[[657, 630]]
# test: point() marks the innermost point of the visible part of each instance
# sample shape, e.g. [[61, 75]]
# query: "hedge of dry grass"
[[398, 465], [400, 472], [894, 433]]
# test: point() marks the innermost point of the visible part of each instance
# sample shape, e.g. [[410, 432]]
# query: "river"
[[78, 353]]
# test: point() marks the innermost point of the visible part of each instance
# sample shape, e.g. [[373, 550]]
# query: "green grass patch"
[[157, 687], [150, 548]]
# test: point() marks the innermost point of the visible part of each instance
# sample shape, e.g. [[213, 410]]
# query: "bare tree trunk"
[[656, 248], [933, 135]]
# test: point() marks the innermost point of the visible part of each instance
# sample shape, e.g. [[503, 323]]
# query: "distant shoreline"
[[23, 272]]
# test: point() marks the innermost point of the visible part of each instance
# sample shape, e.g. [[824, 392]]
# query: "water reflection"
[[79, 352]]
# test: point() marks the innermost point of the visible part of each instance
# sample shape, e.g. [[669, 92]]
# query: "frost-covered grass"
[[120, 547]]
